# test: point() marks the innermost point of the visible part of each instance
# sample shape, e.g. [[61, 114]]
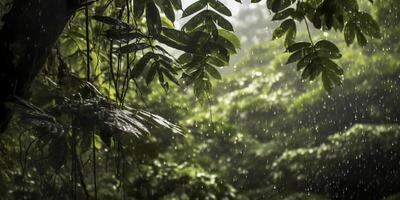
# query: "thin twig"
[[88, 79]]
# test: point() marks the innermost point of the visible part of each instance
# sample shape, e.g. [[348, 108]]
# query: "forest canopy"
[[171, 99]]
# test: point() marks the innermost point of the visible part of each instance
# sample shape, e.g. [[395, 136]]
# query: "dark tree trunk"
[[30, 30]]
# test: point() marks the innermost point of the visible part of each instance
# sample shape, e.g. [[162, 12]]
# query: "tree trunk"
[[30, 30]]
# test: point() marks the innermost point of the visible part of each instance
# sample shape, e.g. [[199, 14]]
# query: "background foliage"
[[260, 133]]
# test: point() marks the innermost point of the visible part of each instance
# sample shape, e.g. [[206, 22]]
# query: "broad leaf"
[[195, 7], [132, 47], [153, 19]]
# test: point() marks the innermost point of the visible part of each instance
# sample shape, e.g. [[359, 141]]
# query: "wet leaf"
[[349, 33], [220, 7], [142, 63], [362, 41], [298, 46], [153, 19], [138, 8], [213, 72], [129, 48], [195, 7], [152, 72]]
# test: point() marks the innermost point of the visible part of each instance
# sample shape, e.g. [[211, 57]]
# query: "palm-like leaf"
[[100, 113], [91, 112]]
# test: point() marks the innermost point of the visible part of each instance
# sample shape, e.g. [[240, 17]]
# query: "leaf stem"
[[88, 79], [87, 43], [94, 165], [308, 31]]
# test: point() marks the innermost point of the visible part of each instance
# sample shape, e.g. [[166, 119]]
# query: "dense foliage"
[[89, 129]]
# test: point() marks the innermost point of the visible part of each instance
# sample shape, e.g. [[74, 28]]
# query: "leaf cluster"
[[343, 15]]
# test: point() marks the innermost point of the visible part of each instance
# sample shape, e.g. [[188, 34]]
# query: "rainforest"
[[200, 99]]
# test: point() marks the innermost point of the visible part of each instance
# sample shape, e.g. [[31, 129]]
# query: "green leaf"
[[118, 3], [210, 27], [176, 35], [153, 19], [170, 76], [107, 20], [338, 22], [349, 5], [174, 44], [286, 3], [315, 68], [193, 69], [195, 21], [297, 46], [177, 4], [221, 21], [138, 8], [97, 142], [165, 55], [167, 8], [368, 25], [298, 55], [335, 78], [276, 4], [141, 64], [185, 58], [195, 7], [328, 84], [327, 45], [132, 47], [283, 28], [329, 20], [216, 61], [167, 22], [220, 7], [306, 60], [283, 14], [218, 51], [316, 20], [306, 72], [213, 72], [163, 83], [269, 4], [123, 36], [349, 33], [330, 65], [225, 43], [199, 38], [328, 54], [152, 72], [305, 9], [167, 63], [362, 41], [111, 21], [290, 35], [230, 36]]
